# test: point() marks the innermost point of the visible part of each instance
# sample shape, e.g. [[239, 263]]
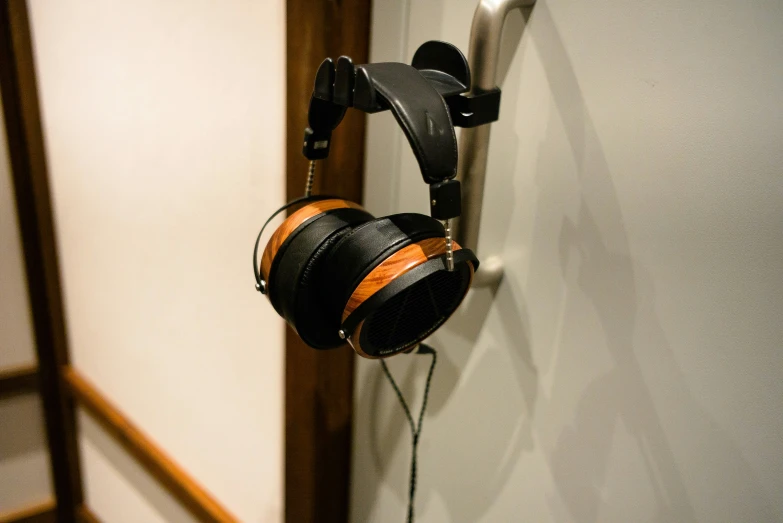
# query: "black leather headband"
[[415, 94], [418, 108]]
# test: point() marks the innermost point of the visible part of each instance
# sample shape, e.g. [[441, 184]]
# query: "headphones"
[[336, 273]]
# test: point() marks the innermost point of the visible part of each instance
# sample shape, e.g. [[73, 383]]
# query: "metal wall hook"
[[483, 55]]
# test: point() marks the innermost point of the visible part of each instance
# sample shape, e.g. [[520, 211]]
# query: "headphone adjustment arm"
[[326, 109], [445, 205]]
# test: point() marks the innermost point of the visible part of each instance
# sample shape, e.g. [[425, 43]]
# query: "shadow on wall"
[[503, 419], [24, 454], [503, 432], [21, 430], [623, 296]]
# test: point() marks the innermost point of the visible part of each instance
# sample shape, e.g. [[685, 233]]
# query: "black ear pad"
[[364, 247], [315, 327], [295, 266]]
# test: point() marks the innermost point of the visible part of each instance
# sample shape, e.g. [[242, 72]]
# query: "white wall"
[[629, 366], [164, 134], [24, 459]]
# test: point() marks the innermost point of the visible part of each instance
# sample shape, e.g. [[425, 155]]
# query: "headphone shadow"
[[687, 467], [465, 355], [500, 434], [622, 293]]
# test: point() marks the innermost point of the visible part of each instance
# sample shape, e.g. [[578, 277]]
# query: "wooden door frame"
[[34, 210], [319, 384]]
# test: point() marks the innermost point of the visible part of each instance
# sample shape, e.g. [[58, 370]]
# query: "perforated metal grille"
[[414, 313]]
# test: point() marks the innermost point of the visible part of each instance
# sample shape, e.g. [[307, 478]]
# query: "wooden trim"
[[46, 513], [292, 223], [394, 266], [18, 380], [319, 384], [85, 515], [357, 333], [170, 475], [33, 205], [39, 513]]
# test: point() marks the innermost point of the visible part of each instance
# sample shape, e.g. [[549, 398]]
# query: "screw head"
[[434, 203], [261, 287], [341, 333]]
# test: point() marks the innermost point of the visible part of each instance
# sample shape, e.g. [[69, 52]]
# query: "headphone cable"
[[415, 428]]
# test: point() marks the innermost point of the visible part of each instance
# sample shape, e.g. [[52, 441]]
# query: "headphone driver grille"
[[416, 312]]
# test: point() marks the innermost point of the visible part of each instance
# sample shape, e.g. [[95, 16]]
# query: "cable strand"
[[415, 428]]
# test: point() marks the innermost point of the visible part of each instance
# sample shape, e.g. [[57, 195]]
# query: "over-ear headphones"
[[336, 273]]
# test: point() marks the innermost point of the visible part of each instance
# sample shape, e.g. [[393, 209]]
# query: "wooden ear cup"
[[336, 274], [292, 266], [406, 298], [387, 272], [296, 220]]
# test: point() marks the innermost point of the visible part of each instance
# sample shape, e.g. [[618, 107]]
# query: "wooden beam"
[[33, 205], [319, 384], [170, 475], [39, 513], [18, 380], [85, 515]]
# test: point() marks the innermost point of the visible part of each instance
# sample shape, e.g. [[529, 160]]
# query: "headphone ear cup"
[[332, 269], [293, 271], [364, 247], [389, 284], [392, 309], [317, 329]]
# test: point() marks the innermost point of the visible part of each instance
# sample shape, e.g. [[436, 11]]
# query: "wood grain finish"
[[85, 515], [319, 384], [39, 513], [18, 380], [19, 90], [355, 339], [395, 265], [170, 475], [291, 223]]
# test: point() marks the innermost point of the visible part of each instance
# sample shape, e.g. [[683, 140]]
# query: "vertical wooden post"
[[319, 384], [33, 202]]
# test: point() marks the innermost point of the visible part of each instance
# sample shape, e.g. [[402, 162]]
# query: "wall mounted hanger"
[[483, 56]]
